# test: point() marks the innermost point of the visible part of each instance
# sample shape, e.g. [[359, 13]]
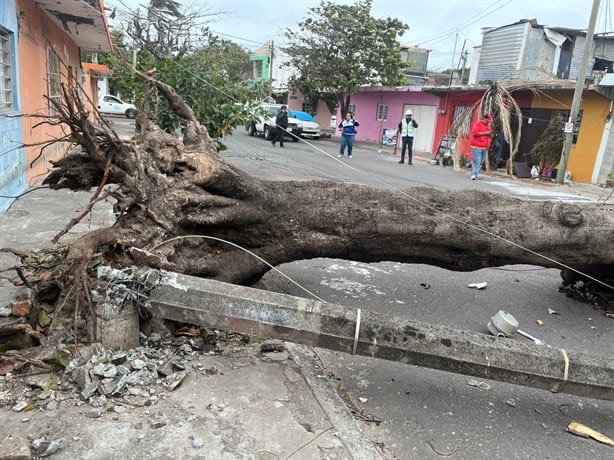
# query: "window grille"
[[54, 79], [382, 112], [6, 73]]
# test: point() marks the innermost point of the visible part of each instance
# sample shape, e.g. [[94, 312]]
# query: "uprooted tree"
[[178, 204]]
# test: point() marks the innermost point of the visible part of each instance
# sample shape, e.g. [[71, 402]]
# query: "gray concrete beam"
[[251, 311]]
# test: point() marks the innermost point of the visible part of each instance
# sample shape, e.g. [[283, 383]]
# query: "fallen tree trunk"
[[180, 207]]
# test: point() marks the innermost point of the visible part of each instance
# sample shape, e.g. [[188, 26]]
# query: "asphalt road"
[[421, 413]]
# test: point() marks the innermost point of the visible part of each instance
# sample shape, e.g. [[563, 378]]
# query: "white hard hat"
[[408, 112]]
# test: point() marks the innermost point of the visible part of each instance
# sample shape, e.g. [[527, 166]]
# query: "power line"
[[472, 20]]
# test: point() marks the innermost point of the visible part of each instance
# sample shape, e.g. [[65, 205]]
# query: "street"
[[422, 413]]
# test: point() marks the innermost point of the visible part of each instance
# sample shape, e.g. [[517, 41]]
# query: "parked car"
[[311, 128], [266, 124], [115, 106]]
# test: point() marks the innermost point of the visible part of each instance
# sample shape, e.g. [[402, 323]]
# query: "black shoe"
[[401, 162], [410, 163], [281, 145], [273, 143]]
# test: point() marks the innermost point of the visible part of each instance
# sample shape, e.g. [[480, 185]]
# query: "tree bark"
[[177, 201]]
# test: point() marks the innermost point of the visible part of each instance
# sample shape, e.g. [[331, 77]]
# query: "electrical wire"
[[427, 206], [472, 20], [251, 253]]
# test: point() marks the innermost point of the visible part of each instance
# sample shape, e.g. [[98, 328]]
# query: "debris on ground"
[[478, 384], [586, 432], [478, 285]]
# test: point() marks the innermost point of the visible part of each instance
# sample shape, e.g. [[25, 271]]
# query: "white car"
[[266, 125], [115, 106]]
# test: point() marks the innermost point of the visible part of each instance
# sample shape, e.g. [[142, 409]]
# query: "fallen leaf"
[[363, 400], [425, 285], [478, 285], [511, 403], [594, 328], [539, 322], [552, 311], [44, 319], [586, 432]]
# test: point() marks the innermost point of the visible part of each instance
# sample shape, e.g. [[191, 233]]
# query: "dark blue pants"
[[408, 143]]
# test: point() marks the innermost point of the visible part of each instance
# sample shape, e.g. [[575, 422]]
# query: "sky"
[[443, 26]]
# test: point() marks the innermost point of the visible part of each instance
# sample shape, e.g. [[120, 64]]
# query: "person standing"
[[281, 124], [480, 138], [407, 129], [348, 133]]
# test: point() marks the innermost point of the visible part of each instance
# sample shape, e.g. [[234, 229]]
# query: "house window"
[[382, 112], [352, 108], [258, 70], [54, 79], [6, 73], [462, 120]]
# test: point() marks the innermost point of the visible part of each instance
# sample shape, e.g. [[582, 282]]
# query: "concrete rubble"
[[182, 397]]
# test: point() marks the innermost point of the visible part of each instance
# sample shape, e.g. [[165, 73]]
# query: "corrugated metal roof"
[[500, 51]]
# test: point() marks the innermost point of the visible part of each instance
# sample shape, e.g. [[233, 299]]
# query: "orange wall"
[[595, 109], [36, 33]]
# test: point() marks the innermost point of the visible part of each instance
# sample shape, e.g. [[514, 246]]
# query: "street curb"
[[355, 441]]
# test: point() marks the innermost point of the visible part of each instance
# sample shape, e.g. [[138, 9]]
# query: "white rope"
[[559, 386], [357, 331]]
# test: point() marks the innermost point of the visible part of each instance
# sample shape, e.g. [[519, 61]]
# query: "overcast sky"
[[434, 24]]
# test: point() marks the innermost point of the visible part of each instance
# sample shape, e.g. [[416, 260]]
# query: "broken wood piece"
[[582, 430], [25, 328]]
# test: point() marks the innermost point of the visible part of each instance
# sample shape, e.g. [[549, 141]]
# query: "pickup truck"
[[266, 124]]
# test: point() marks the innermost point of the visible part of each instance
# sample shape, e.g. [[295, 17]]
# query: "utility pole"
[[577, 96], [271, 62], [464, 65]]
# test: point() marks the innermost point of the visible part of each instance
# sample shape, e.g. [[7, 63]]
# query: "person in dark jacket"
[[281, 124], [407, 127], [348, 133], [480, 138]]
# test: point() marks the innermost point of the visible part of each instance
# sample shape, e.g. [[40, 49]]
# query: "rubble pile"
[[95, 375]]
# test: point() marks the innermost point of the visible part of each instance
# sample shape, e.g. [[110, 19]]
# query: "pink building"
[[381, 108]]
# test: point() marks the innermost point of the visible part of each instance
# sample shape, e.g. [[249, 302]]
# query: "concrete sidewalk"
[[236, 401]]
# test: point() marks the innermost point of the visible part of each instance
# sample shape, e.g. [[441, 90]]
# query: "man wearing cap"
[[407, 127]]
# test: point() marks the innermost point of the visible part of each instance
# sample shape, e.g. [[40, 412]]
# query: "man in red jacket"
[[480, 138]]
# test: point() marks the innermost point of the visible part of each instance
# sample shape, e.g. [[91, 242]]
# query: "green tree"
[[339, 48], [210, 73]]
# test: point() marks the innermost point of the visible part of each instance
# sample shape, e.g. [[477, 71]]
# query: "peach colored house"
[[51, 36], [40, 49]]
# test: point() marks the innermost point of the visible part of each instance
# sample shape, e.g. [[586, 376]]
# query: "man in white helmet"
[[407, 128]]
